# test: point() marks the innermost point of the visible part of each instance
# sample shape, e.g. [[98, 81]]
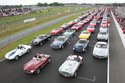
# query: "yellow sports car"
[[85, 34]]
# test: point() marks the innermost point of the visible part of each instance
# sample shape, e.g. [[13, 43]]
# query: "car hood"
[[31, 65], [12, 53], [84, 35], [69, 66], [57, 43], [100, 52], [77, 45]]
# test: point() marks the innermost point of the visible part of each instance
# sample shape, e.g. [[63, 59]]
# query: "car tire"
[[41, 43], [28, 50], [38, 71], [49, 60], [62, 46], [75, 74], [17, 57]]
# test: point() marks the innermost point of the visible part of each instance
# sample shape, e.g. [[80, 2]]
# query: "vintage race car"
[[76, 27], [102, 36], [69, 33], [41, 39], [85, 34], [81, 45], [56, 31], [36, 63], [70, 66], [90, 29], [101, 50], [60, 42], [65, 26], [19, 51]]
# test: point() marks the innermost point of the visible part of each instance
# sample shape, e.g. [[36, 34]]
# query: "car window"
[[60, 39], [40, 37], [82, 41]]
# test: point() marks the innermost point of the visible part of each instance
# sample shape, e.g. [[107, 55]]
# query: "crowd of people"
[[14, 11], [120, 20]]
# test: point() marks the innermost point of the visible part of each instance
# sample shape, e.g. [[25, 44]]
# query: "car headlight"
[[83, 49], [60, 46], [32, 71]]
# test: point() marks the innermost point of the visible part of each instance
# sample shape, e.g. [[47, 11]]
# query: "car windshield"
[[40, 37], [85, 32], [103, 33], [76, 25], [60, 39], [101, 46], [20, 47], [90, 27], [82, 41]]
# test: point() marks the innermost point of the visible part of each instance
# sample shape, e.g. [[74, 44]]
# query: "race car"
[[93, 23], [85, 34], [70, 66], [18, 52], [65, 26], [36, 63], [81, 45], [41, 39], [56, 31], [101, 50], [71, 23], [60, 42], [102, 36], [90, 29], [81, 23], [76, 27], [69, 33]]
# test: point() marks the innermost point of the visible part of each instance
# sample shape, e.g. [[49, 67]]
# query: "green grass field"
[[14, 24], [29, 38]]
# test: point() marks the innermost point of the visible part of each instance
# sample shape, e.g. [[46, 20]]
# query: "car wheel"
[[38, 71], [41, 43], [75, 74], [49, 39], [17, 57], [62, 46], [49, 60], [28, 50]]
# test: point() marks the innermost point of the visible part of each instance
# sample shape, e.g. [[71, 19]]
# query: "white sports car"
[[102, 36], [70, 66], [19, 51], [101, 50]]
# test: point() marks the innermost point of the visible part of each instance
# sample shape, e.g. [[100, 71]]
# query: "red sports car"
[[93, 23], [90, 28], [71, 23], [37, 62], [76, 27], [56, 31]]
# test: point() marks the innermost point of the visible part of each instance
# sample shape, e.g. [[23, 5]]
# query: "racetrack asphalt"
[[19, 35], [117, 56], [91, 71]]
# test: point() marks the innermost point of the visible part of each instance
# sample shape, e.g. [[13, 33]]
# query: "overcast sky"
[[29, 2]]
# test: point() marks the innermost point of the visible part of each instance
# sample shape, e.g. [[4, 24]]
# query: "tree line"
[[51, 4]]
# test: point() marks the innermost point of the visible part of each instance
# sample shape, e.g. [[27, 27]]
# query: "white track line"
[[92, 80], [2, 59]]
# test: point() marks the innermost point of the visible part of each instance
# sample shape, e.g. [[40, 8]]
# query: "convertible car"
[[56, 31], [60, 42], [85, 34], [101, 50], [41, 39], [81, 45], [37, 62], [70, 66], [69, 33], [90, 29], [102, 36], [19, 51]]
